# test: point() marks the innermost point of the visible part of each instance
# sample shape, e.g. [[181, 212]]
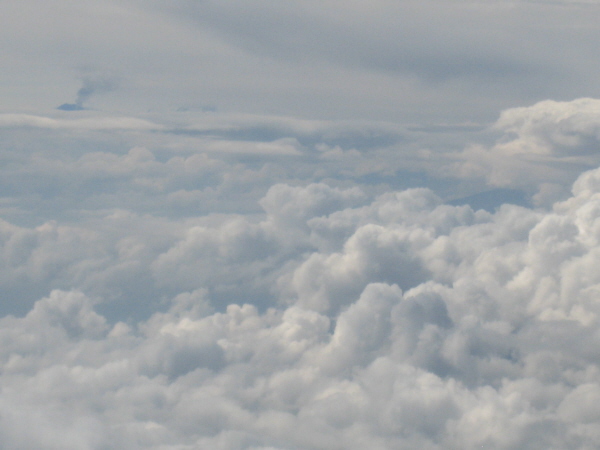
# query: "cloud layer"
[[413, 61], [334, 321], [297, 225]]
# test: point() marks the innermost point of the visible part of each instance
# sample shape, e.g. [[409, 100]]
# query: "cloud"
[[542, 148], [95, 123], [340, 38], [93, 86], [90, 86], [457, 62], [396, 321], [332, 257], [226, 162]]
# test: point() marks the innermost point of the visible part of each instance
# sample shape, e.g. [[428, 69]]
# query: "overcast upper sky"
[[299, 225], [417, 61]]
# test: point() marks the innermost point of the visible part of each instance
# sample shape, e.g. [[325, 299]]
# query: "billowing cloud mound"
[[543, 147], [332, 322]]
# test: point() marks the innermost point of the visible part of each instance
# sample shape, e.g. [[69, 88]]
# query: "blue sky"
[[299, 225]]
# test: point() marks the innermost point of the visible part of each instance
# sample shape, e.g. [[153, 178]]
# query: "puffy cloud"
[[543, 147], [407, 322]]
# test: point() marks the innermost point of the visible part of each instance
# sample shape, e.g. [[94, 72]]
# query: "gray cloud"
[[412, 61], [91, 86]]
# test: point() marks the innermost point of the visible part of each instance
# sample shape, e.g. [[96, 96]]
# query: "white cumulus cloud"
[[415, 324]]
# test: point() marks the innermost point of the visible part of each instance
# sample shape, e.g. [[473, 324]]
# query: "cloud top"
[[394, 322]]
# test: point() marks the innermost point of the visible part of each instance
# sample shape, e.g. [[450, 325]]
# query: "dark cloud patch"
[[451, 42], [71, 107], [91, 86]]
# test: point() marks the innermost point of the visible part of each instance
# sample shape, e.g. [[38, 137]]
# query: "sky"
[[299, 225]]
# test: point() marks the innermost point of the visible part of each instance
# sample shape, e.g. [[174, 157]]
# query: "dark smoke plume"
[[91, 86]]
